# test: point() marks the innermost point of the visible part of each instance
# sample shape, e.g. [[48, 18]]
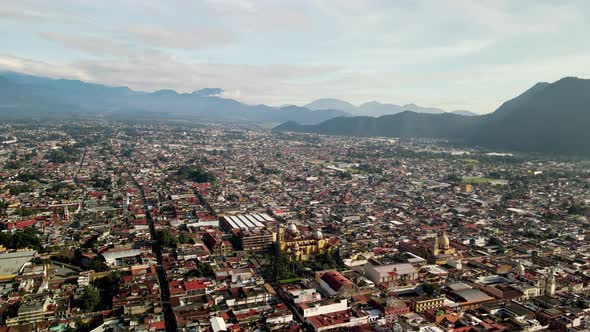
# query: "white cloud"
[[89, 44], [188, 37], [453, 54]]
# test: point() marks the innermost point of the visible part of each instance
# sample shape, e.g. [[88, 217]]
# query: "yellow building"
[[424, 303], [466, 188], [298, 245], [442, 250]]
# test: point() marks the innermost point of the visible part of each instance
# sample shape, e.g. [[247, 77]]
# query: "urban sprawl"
[[113, 226]]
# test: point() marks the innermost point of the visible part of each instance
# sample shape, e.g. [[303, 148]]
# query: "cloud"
[[193, 37], [458, 53], [13, 14], [255, 84], [41, 68], [89, 44]]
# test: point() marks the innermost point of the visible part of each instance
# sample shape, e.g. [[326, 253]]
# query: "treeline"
[[23, 239]]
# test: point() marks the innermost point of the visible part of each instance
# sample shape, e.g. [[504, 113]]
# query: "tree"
[[167, 239], [23, 239], [454, 178], [279, 264], [89, 298], [198, 175], [322, 261], [201, 270], [108, 286], [430, 288], [184, 239]]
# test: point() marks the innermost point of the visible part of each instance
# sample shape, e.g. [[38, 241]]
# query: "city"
[[295, 165], [126, 226]]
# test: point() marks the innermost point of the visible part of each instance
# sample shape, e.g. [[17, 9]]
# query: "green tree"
[[184, 239], [89, 298], [430, 288], [198, 175], [108, 286], [167, 239], [279, 264]]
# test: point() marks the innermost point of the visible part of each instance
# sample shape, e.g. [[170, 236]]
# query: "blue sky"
[[450, 54]]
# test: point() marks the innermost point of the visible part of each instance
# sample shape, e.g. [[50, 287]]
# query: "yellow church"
[[442, 250], [300, 246]]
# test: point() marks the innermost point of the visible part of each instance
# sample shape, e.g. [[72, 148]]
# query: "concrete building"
[[391, 273]]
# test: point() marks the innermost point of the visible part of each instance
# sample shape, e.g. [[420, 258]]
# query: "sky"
[[456, 55]]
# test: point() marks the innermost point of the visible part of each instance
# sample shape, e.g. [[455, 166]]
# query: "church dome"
[[319, 235], [292, 228], [520, 268], [443, 241]]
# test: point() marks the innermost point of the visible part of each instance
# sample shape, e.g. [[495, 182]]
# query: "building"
[[323, 307], [469, 298], [246, 221], [546, 283], [437, 251], [334, 283], [12, 263], [85, 277], [379, 274], [251, 230], [423, 303], [342, 320], [302, 295], [32, 309], [256, 239], [114, 256], [301, 246]]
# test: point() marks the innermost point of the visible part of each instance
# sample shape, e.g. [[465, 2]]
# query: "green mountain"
[[549, 118], [546, 118], [405, 124]]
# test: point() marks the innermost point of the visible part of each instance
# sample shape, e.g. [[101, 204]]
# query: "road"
[[169, 316]]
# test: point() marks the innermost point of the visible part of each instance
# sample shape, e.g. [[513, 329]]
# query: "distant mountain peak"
[[207, 92], [165, 92], [330, 104], [464, 112]]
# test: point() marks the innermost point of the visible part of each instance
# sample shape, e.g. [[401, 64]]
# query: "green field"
[[471, 180], [289, 281], [471, 161]]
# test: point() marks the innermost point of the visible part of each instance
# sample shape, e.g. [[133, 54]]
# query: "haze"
[[453, 54]]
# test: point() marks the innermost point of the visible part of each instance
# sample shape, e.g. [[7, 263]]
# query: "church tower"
[[435, 247], [550, 284]]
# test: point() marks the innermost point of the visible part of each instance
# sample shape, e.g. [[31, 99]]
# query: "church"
[[298, 245], [436, 251], [442, 250]]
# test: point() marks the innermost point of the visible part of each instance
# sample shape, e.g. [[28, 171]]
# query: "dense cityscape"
[[120, 226]]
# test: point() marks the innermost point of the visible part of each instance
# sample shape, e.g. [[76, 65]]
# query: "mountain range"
[[548, 117], [374, 108], [26, 96]]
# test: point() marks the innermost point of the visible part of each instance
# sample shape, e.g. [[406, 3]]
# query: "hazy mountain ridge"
[[373, 108], [25, 96], [551, 118]]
